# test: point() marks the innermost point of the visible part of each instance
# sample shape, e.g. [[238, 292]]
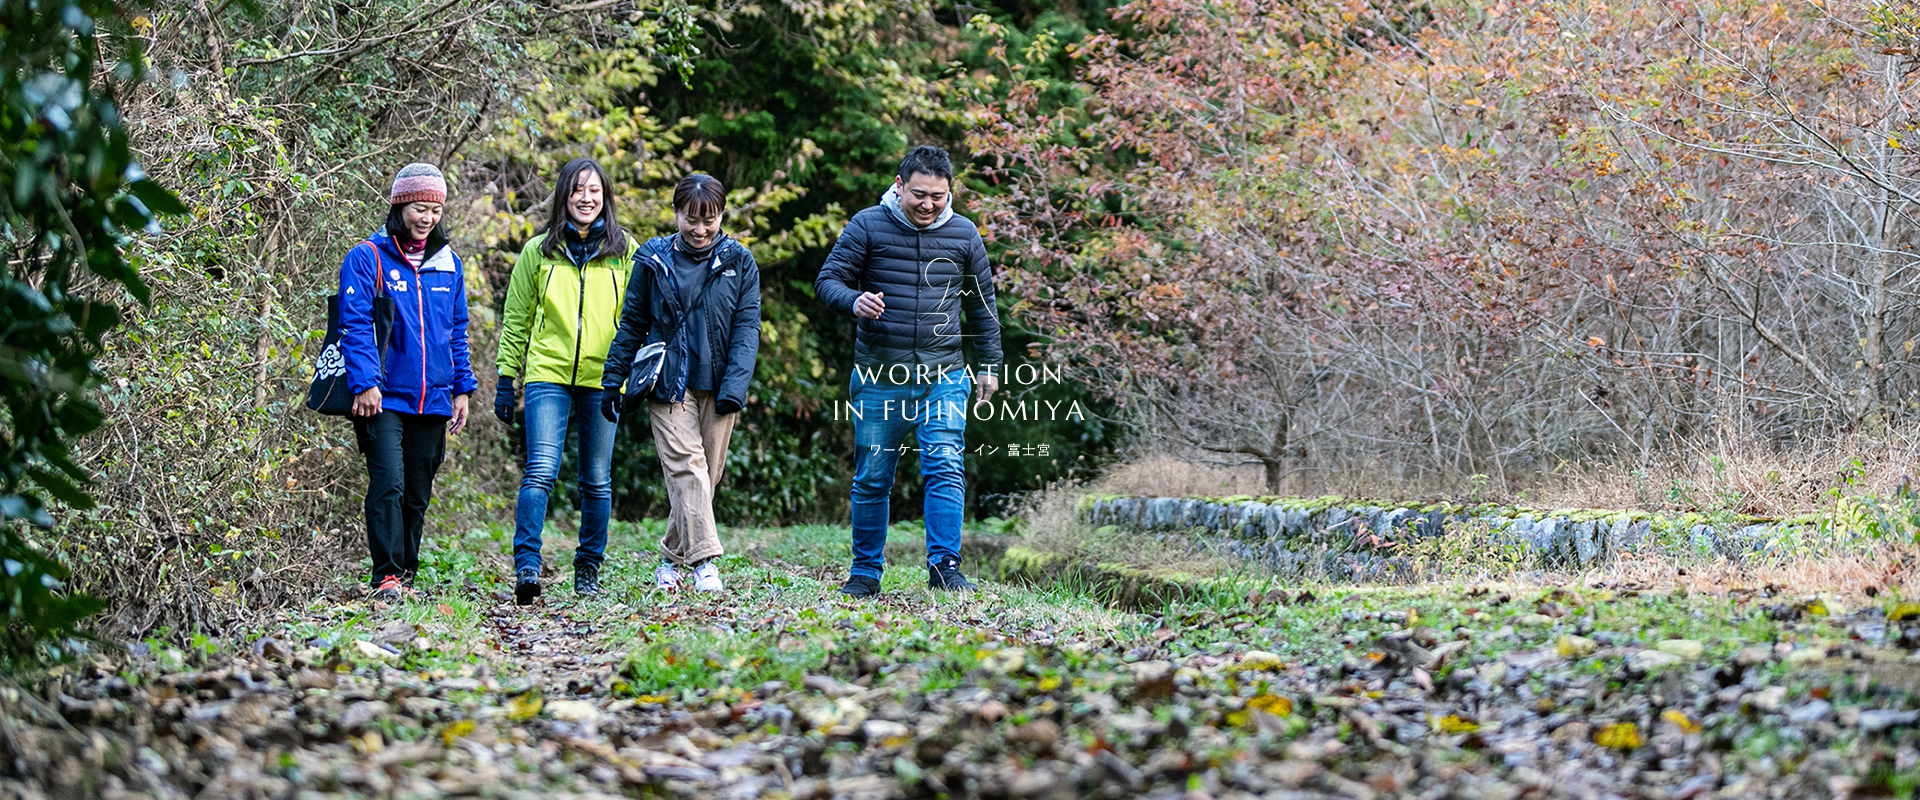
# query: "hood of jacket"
[[659, 252], [891, 202]]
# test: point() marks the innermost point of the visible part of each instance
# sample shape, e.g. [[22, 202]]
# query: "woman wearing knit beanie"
[[411, 390]]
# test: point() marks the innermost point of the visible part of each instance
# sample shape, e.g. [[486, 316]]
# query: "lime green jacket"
[[559, 319]]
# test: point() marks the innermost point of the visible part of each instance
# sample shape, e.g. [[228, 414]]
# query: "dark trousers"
[[403, 452]]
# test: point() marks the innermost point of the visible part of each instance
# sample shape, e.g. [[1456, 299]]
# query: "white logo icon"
[[332, 363]]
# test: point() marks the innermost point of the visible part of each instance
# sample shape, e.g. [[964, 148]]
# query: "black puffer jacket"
[[928, 277], [652, 313]]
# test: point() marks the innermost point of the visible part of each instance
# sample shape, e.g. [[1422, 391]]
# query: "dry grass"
[[1740, 472], [1731, 470], [1163, 475], [1169, 475], [1856, 577]]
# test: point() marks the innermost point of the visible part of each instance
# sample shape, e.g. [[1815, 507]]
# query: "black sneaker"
[[526, 586], [946, 575], [860, 586], [586, 580]]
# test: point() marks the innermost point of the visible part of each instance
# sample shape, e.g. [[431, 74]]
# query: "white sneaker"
[[706, 577], [666, 576]]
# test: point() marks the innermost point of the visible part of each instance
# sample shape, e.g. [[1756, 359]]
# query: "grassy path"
[[780, 687]]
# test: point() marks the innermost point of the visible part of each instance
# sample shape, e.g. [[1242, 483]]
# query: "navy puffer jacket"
[[937, 285]]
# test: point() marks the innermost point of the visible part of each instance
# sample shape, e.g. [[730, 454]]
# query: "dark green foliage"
[[764, 87], [70, 192]]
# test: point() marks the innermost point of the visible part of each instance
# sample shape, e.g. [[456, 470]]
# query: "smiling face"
[[586, 200], [420, 219], [924, 197], [698, 227]]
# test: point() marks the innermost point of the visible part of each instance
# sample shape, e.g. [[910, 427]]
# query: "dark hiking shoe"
[[946, 576], [389, 589], [526, 586], [860, 586], [586, 580]]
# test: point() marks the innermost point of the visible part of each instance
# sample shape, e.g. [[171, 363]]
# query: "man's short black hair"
[[927, 160]]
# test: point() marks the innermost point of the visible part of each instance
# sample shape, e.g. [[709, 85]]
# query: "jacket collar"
[[581, 247], [659, 251], [385, 243], [441, 260], [713, 250]]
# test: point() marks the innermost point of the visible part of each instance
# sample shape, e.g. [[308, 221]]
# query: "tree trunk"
[[1277, 454]]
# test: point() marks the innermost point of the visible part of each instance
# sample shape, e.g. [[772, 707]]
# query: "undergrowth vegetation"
[[72, 192]]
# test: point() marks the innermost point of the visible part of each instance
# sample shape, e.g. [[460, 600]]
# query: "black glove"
[[610, 404], [725, 406], [503, 397]]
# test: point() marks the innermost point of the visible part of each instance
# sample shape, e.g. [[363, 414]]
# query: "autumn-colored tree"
[[1163, 233], [1484, 237]]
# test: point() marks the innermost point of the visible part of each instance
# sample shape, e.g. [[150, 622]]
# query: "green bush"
[[70, 193]]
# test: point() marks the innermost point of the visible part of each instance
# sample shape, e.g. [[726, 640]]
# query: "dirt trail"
[[781, 688]]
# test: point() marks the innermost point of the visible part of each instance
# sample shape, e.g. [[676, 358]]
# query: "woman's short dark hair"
[[615, 239], [699, 194], [927, 160]]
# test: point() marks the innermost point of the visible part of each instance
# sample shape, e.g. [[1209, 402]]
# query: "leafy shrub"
[[70, 192]]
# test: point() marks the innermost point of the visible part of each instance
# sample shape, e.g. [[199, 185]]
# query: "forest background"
[[277, 125], [1420, 248]]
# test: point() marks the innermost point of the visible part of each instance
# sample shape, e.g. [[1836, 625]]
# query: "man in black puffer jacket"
[[915, 277]]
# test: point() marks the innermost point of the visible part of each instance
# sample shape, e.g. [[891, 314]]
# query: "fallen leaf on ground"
[[1618, 735]]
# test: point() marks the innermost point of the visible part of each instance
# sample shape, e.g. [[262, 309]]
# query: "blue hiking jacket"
[[427, 363]]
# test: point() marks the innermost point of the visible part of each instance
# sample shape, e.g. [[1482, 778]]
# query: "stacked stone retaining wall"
[[1342, 538]]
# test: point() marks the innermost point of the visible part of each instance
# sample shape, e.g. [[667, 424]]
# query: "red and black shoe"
[[388, 591]]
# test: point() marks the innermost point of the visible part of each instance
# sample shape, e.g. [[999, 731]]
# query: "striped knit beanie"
[[419, 183]]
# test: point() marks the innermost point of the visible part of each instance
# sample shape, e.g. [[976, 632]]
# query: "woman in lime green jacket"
[[563, 307]]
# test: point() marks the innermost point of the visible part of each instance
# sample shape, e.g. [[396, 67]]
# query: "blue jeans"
[[548, 406], [884, 413]]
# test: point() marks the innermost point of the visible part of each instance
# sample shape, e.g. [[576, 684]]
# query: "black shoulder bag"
[[330, 393]]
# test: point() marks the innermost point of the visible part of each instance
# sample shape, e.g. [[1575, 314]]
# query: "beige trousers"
[[692, 441]]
